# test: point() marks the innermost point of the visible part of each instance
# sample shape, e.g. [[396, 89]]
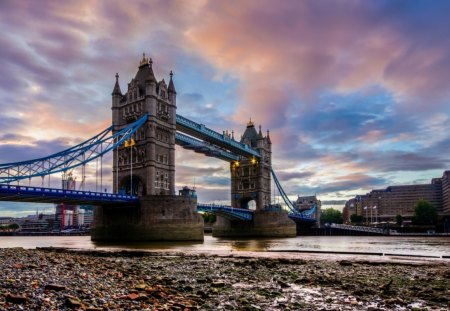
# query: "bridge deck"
[[49, 195]]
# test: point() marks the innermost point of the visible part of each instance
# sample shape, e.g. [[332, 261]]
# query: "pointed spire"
[[250, 123], [171, 88], [116, 90], [260, 135], [144, 60], [268, 137], [150, 76]]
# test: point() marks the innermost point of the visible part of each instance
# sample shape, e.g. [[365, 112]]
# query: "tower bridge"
[[143, 136]]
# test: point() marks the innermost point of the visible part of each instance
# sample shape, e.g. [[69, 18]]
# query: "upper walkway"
[[206, 134]]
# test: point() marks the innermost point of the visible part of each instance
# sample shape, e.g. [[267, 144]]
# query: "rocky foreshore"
[[58, 279]]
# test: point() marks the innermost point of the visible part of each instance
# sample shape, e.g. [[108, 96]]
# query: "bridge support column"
[[156, 218], [264, 224]]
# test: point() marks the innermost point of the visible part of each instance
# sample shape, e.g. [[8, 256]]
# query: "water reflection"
[[425, 246], [251, 245], [148, 245]]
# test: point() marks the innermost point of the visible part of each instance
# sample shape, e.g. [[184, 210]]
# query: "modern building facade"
[[386, 204]]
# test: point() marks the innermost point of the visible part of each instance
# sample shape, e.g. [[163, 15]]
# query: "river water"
[[417, 246]]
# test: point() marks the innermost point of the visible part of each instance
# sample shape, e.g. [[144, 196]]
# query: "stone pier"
[[156, 218], [265, 224]]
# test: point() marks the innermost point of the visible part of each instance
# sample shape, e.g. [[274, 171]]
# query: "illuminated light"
[[253, 160], [236, 163]]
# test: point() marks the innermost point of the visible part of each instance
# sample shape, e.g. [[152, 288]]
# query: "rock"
[[132, 296], [345, 263], [202, 294], [386, 287], [16, 298], [283, 284], [54, 287], [218, 284], [140, 287], [73, 302]]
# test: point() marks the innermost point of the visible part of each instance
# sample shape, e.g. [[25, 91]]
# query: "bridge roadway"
[[13, 193], [17, 193]]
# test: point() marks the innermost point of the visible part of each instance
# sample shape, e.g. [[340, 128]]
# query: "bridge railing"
[[358, 228], [27, 190], [239, 213]]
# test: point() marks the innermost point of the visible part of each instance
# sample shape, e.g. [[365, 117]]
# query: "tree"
[[331, 215], [424, 213], [399, 219], [209, 217], [355, 219]]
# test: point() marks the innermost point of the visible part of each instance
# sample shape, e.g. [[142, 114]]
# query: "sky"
[[355, 93]]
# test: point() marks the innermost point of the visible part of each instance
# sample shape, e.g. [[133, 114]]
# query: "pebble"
[[60, 279]]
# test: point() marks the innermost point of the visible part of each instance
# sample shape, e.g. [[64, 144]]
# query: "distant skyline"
[[355, 93]]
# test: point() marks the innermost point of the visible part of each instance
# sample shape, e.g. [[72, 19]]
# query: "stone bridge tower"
[[146, 164], [250, 178]]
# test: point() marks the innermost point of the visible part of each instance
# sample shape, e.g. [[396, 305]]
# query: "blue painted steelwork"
[[207, 149], [50, 195], [300, 218], [70, 158], [226, 211], [295, 214], [202, 132]]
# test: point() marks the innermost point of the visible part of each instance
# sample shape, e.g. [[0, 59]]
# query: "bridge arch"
[[248, 203], [135, 182]]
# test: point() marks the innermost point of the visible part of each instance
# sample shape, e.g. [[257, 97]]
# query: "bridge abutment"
[[264, 224], [156, 218]]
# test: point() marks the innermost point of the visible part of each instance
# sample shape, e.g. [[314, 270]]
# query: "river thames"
[[410, 246]]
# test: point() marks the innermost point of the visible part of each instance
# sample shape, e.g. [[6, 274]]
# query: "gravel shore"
[[59, 279]]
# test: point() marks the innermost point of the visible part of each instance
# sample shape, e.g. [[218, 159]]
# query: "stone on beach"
[[48, 279]]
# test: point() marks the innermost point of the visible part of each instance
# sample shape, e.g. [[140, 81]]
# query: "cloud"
[[347, 89]]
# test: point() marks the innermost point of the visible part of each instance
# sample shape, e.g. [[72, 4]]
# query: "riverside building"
[[386, 204]]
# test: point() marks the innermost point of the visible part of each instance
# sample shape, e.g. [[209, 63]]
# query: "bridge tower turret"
[[116, 99], [146, 164], [250, 178]]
